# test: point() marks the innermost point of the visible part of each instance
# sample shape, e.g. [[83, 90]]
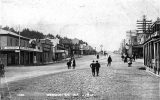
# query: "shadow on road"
[[142, 68]]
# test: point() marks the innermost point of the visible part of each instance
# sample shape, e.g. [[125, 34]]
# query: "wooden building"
[[15, 49], [151, 50]]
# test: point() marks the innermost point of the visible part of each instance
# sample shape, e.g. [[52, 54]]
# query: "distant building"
[[75, 41]]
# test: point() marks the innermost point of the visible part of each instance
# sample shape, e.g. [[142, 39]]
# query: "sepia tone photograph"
[[79, 49]]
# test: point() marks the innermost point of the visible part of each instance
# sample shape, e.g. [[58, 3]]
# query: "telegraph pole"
[[0, 45], [19, 48], [143, 25], [101, 47]]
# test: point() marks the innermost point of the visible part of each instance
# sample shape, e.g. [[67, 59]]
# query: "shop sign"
[[31, 49], [45, 49], [17, 50], [10, 47], [24, 48]]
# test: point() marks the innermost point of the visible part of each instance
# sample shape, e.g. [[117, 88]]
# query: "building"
[[47, 50], [68, 46], [55, 42], [151, 49], [15, 50]]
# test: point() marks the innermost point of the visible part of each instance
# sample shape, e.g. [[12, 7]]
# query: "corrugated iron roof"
[[11, 33]]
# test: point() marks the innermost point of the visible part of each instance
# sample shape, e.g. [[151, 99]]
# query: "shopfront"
[[152, 55], [20, 56]]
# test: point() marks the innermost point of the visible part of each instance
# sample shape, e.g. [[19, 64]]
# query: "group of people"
[[128, 59], [95, 65], [71, 63]]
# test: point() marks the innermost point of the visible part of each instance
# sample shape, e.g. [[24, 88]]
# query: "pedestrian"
[[125, 59], [97, 67], [134, 56], [74, 63], [2, 71], [98, 56], [129, 61], [109, 61], [2, 75], [122, 57], [69, 64], [92, 65]]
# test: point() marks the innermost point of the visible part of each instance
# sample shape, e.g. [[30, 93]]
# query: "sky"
[[98, 22]]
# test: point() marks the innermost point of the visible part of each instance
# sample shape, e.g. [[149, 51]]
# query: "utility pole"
[[144, 25], [101, 47], [0, 44], [129, 34], [19, 48]]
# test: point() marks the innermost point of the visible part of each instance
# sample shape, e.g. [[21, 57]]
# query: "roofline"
[[15, 36]]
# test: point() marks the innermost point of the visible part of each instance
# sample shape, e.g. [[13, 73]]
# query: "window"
[[10, 41], [16, 42], [24, 44]]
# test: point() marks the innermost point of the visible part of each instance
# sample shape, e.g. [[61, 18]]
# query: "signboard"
[[24, 48], [10, 47], [17, 50]]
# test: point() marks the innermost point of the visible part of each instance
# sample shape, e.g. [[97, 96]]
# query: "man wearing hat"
[[97, 67], [92, 65]]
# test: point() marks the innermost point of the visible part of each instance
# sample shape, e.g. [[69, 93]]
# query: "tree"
[[50, 36], [6, 28], [12, 30], [32, 34]]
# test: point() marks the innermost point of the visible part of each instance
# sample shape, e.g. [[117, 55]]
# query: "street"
[[56, 82]]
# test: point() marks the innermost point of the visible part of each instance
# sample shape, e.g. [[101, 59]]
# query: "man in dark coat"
[[2, 71], [69, 64], [92, 65], [74, 63], [109, 61], [98, 56], [97, 68], [2, 74]]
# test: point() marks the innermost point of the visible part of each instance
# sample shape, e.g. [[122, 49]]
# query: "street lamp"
[[101, 47]]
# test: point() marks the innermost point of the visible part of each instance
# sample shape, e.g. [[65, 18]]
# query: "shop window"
[[9, 58]]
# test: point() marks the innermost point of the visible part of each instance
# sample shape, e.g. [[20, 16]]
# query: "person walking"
[[69, 64], [74, 63], [122, 57], [2, 75], [92, 65], [129, 60], [2, 71], [125, 59], [109, 61], [97, 67], [97, 56]]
